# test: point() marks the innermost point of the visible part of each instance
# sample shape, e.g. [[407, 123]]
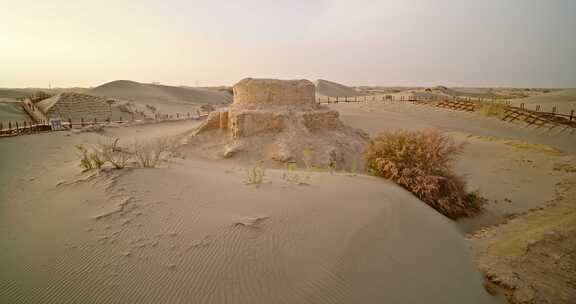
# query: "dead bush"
[[144, 154], [113, 153], [421, 162], [149, 154]]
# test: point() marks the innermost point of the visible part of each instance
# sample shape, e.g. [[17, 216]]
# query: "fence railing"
[[14, 128], [571, 116]]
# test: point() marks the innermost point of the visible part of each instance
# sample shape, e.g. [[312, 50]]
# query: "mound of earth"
[[333, 89], [75, 106], [280, 121]]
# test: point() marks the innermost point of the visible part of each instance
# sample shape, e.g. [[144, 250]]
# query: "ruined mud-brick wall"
[[251, 92], [253, 122], [277, 120], [271, 106], [79, 106]]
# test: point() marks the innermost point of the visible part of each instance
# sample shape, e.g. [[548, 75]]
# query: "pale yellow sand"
[[166, 99], [511, 165], [563, 100], [333, 89], [193, 232]]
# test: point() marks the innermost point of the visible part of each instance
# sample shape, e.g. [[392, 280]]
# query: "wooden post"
[[82, 122], [132, 116], [9, 126], [177, 115], [571, 115], [554, 109], [70, 122], [1, 127], [17, 129], [355, 98], [336, 99], [522, 106], [95, 121], [120, 119]]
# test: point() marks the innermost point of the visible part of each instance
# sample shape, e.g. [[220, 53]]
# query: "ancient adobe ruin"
[[280, 120]]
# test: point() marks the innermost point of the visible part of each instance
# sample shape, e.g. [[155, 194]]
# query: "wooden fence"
[[29, 127], [536, 117]]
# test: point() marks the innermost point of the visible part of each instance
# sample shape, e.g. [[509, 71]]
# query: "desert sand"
[[164, 98], [172, 235], [194, 230], [563, 100], [334, 89]]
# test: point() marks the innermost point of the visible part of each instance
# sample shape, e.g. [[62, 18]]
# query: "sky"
[[65, 43]]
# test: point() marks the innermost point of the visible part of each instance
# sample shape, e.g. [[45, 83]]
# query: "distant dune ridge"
[[563, 100], [333, 89], [131, 90], [562, 96]]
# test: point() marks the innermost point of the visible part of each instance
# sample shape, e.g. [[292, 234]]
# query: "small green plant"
[[354, 167], [307, 158], [255, 175], [89, 160]]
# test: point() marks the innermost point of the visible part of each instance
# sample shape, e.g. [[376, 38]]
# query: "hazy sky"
[[522, 43]]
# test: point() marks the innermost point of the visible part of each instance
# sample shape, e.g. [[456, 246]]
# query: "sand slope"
[[564, 100], [167, 99], [11, 112], [173, 235], [333, 89]]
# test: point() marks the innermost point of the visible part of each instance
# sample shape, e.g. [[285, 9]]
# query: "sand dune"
[[333, 89], [467, 92], [15, 93], [11, 112], [125, 89], [171, 235], [167, 99], [564, 100]]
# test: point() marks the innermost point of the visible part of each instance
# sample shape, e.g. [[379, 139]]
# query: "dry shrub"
[[113, 153], [255, 175], [144, 154], [421, 162], [148, 154]]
